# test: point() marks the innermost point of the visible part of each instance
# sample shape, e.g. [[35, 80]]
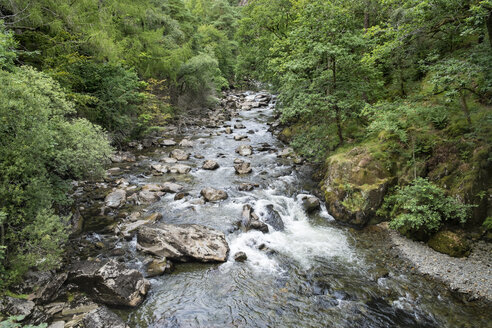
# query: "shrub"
[[12, 322], [42, 148], [421, 208]]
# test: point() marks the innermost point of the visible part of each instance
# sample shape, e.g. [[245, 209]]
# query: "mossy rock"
[[286, 135], [354, 185], [448, 242]]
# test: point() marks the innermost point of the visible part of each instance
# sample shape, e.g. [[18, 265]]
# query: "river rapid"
[[315, 273]]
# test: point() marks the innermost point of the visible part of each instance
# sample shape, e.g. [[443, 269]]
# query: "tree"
[[42, 148]]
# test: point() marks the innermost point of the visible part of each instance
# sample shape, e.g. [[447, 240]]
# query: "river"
[[315, 273]]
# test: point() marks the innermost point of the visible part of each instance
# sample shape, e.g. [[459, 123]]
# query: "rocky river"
[[219, 226]]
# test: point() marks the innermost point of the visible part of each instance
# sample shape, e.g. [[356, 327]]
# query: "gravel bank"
[[470, 276]]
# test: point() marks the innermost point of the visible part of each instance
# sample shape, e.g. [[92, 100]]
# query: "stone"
[[286, 152], [150, 194], [57, 324], [244, 150], [186, 143], [353, 193], [49, 290], [228, 130], [128, 230], [180, 195], [180, 155], [157, 267], [450, 243], [198, 156], [246, 187], [311, 204], [243, 168], [16, 306], [240, 137], [171, 187], [239, 126], [258, 225], [240, 257], [183, 242], [102, 317], [109, 282], [213, 195], [273, 218], [121, 156], [180, 169], [168, 143], [160, 168], [210, 165], [169, 160], [250, 220], [115, 199], [238, 161]]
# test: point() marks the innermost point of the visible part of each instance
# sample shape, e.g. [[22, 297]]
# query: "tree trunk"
[[489, 27], [464, 106], [366, 16], [338, 116]]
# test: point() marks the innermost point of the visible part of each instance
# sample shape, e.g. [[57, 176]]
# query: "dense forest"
[[407, 82], [390, 99]]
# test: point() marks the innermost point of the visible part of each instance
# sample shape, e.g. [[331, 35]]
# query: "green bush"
[[7, 48], [12, 322], [421, 208], [106, 94], [42, 148]]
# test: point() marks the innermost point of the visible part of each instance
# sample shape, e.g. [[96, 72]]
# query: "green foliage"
[[110, 95], [42, 147], [422, 207], [13, 322], [100, 50], [488, 223], [7, 48]]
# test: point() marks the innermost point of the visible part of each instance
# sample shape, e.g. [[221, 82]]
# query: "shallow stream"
[[315, 273]]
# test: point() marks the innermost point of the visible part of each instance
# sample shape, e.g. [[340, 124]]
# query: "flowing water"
[[316, 273]]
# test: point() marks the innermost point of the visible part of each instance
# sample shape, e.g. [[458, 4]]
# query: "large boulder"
[[354, 186], [50, 289], [244, 150], [183, 242], [110, 282], [115, 199], [213, 195], [16, 306], [180, 155], [448, 242], [273, 218]]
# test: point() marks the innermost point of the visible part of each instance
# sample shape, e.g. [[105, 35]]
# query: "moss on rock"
[[354, 185], [448, 242]]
